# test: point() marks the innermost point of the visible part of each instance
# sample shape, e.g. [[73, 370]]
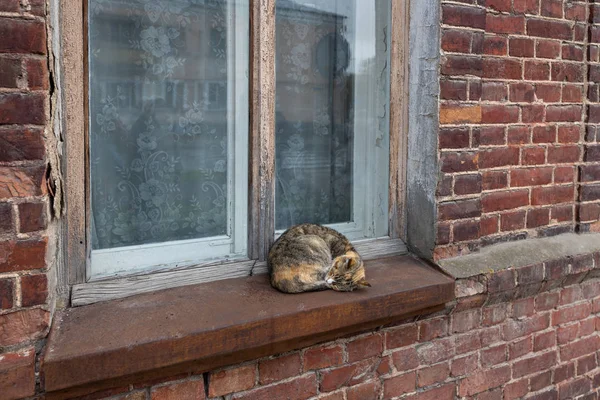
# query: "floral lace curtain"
[[158, 120]]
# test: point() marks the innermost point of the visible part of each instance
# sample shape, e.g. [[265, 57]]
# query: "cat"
[[311, 257]]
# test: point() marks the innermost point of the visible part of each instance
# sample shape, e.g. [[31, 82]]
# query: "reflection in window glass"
[[165, 132], [332, 100]]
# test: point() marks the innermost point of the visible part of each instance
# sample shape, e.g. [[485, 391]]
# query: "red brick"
[[429, 375], [467, 342], [17, 373], [10, 72], [537, 70], [32, 217], [534, 364], [405, 359], [512, 221], [364, 391], [590, 192], [592, 153], [493, 355], [549, 29], [579, 348], [521, 47], [498, 68], [484, 380], [563, 154], [590, 173], [498, 157], [467, 184], [519, 328], [518, 348], [459, 209], [530, 176], [571, 313], [548, 93], [436, 351], [231, 380], [21, 144], [540, 381], [567, 333], [546, 301], [544, 134], [494, 180], [567, 72], [277, 369], [463, 16], [532, 113], [494, 91], [516, 389], [499, 5], [591, 289], [450, 138], [523, 308], [401, 336], [34, 290], [570, 295], [563, 372], [495, 45], [365, 347], [23, 326], [6, 293], [574, 11], [462, 65], [500, 23], [399, 385], [464, 365], [453, 90], [6, 218], [22, 108], [21, 255], [385, 367], [547, 48], [466, 320], [587, 327], [297, 389], [533, 156], [522, 92], [16, 182], [518, 135], [572, 94], [186, 390], [22, 36], [37, 74], [465, 230], [538, 217], [552, 8], [451, 162], [563, 113], [488, 225], [456, 40], [505, 200], [323, 357], [561, 213], [551, 195], [542, 341], [589, 212], [586, 364], [348, 374], [574, 388], [568, 133], [451, 114]]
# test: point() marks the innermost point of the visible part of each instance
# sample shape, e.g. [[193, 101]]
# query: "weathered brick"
[[186, 390], [547, 48], [401, 336], [436, 351], [365, 347], [279, 368], [22, 181], [297, 389], [463, 16], [34, 290], [579, 348], [519, 328], [433, 374], [484, 380], [405, 359], [501, 68], [571, 313], [231, 380], [549, 29], [574, 388], [501, 23], [562, 113], [518, 348], [364, 391], [21, 144], [17, 373], [563, 373], [534, 364], [537, 70], [521, 47], [23, 326], [20, 255], [551, 195], [453, 89], [459, 114], [399, 385], [323, 357], [22, 36], [451, 162], [32, 217], [505, 200], [540, 381], [465, 230]]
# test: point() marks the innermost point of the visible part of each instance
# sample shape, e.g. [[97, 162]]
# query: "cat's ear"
[[353, 263], [364, 283]]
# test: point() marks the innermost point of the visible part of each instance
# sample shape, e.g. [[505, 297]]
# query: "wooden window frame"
[[72, 37]]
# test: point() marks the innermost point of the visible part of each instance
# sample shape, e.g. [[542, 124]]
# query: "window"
[[212, 126]]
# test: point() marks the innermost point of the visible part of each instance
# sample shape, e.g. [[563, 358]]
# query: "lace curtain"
[[158, 120]]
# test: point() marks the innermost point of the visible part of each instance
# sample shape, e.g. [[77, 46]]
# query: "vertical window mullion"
[[261, 227], [398, 117]]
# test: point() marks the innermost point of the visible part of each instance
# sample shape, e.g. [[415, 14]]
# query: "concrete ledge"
[[521, 253]]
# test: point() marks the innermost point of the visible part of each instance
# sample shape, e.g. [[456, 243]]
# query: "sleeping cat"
[[311, 257]]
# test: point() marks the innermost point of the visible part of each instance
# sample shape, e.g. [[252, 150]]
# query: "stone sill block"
[[202, 327]]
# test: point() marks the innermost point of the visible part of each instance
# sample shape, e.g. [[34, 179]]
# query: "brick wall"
[[531, 332], [24, 201], [513, 85]]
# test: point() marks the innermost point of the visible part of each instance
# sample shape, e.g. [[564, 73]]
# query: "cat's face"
[[346, 274]]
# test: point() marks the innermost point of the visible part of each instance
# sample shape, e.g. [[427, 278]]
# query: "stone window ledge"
[[202, 327]]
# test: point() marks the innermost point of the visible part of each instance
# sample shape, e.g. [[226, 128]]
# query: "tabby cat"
[[311, 257]]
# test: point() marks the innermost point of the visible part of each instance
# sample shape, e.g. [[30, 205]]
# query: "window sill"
[[202, 327]]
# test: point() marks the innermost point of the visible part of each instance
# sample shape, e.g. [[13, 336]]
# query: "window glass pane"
[[164, 126], [332, 100]]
